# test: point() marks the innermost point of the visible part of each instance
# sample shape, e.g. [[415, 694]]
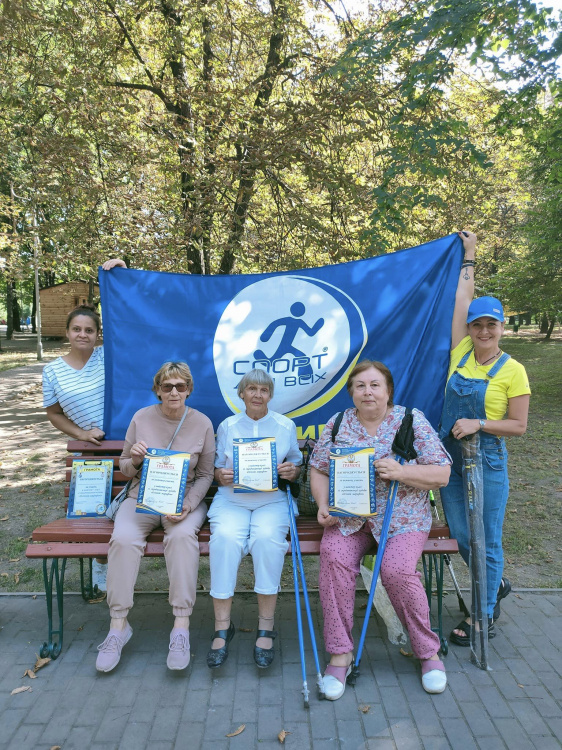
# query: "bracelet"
[[468, 263]]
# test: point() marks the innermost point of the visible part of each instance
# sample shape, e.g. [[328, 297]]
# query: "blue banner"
[[307, 328]]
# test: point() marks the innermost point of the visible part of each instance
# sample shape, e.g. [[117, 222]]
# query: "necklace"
[[481, 364]]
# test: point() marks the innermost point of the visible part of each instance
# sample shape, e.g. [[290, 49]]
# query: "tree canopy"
[[221, 136]]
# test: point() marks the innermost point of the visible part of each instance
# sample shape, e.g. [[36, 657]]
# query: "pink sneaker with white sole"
[[110, 650]]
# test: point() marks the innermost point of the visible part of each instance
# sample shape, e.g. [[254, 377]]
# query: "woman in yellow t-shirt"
[[487, 392]]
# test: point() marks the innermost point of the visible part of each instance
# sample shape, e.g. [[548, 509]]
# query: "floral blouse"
[[412, 510]]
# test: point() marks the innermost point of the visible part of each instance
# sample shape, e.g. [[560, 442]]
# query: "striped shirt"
[[80, 393]]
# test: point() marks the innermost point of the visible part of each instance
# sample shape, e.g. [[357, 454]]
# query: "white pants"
[[237, 530]]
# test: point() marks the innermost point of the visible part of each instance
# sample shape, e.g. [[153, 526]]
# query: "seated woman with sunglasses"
[[169, 424]]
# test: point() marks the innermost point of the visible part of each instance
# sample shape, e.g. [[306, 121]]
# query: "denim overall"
[[464, 398]]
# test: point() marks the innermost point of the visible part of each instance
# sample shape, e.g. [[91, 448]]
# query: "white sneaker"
[[433, 680], [334, 688], [99, 575]]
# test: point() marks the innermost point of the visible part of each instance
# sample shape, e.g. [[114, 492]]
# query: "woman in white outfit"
[[255, 522]]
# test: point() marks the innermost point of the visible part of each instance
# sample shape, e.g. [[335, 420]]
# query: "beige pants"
[[126, 548]]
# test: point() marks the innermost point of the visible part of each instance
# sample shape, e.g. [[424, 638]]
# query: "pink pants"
[[339, 567], [126, 548]]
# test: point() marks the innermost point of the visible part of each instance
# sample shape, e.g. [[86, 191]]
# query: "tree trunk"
[[550, 328], [16, 311], [544, 323], [34, 312], [249, 159]]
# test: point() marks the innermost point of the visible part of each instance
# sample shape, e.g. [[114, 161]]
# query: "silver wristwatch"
[[482, 423]]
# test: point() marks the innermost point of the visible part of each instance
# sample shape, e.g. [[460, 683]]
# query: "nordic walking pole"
[[462, 606], [299, 616], [403, 447], [296, 546]]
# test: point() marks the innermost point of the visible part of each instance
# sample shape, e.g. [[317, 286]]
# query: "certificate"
[[352, 482], [162, 482], [90, 488], [255, 464]]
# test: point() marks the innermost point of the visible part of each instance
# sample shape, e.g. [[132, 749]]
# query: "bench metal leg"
[[52, 648], [88, 590], [431, 565]]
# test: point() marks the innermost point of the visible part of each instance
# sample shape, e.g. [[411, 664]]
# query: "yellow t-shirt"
[[509, 382]]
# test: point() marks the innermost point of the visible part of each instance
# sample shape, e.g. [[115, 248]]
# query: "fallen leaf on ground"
[[98, 600], [364, 709], [14, 559], [245, 630], [55, 747], [281, 736], [80, 628], [40, 663], [6, 518], [29, 673], [240, 729], [406, 653], [518, 685], [23, 689], [519, 596], [16, 578], [34, 596], [4, 575]]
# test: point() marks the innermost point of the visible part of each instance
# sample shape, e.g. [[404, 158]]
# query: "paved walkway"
[[142, 705]]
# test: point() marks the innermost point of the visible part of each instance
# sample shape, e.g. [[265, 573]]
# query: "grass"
[[532, 529]]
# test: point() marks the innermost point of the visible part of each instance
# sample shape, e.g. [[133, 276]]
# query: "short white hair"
[[256, 377]]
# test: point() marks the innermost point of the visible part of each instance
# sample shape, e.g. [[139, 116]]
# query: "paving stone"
[[375, 722], [490, 743], [426, 720], [113, 724], [350, 734], [476, 718], [141, 704], [436, 743], [190, 735], [513, 734], [405, 735], [394, 702], [165, 724], [546, 743], [459, 735]]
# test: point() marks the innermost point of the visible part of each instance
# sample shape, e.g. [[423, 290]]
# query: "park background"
[[250, 136]]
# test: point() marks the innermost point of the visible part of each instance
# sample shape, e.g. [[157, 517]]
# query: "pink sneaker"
[[178, 655], [110, 650]]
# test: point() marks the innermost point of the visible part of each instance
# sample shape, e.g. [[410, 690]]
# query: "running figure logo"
[[292, 326]]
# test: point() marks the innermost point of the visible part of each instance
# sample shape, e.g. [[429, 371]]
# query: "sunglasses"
[[169, 387]]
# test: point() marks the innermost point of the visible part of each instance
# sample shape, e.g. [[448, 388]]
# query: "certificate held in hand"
[[352, 482], [255, 464], [162, 483]]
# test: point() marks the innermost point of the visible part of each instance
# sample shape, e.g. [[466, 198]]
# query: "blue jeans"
[[496, 491]]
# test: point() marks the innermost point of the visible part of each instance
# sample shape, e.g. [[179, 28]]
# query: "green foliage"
[[249, 136]]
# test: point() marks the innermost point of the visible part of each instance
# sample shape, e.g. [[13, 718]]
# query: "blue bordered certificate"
[[352, 482], [90, 488], [162, 483], [255, 464]]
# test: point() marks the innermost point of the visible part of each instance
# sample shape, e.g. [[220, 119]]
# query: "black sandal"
[[264, 656], [216, 657], [503, 591], [466, 627]]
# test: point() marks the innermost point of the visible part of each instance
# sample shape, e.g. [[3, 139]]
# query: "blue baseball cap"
[[485, 307]]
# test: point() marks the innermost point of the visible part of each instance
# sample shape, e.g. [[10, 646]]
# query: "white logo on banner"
[[307, 334]]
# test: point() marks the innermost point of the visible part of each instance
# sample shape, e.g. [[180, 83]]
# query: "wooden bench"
[[88, 538]]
